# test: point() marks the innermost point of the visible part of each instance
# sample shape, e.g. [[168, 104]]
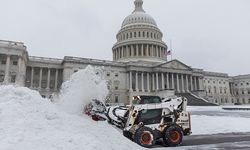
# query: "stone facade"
[[241, 88], [139, 67]]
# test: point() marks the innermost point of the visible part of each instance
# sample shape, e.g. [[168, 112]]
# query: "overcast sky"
[[213, 35]]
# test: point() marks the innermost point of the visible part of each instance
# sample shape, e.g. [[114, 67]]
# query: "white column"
[[32, 77], [7, 70], [191, 83], [116, 55], [118, 52], [19, 74], [48, 80], [121, 50], [127, 51], [152, 50], [147, 50], [142, 82], [157, 81], [201, 84], [156, 48], [153, 81], [162, 81], [187, 89], [142, 50], [178, 84], [159, 49], [136, 82], [182, 83], [56, 78], [137, 50], [130, 81], [148, 82], [173, 81], [40, 78], [167, 80], [132, 50], [195, 83]]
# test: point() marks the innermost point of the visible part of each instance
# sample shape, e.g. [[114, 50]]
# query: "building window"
[[13, 79], [116, 75], [243, 92], [116, 99], [14, 63], [116, 88], [3, 62], [1, 78], [241, 84], [225, 91], [108, 74], [235, 84], [247, 83], [215, 91]]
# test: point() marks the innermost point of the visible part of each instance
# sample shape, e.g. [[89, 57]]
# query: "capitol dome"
[[139, 38], [138, 18]]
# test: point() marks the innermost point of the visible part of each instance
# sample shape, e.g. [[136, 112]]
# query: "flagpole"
[[171, 50]]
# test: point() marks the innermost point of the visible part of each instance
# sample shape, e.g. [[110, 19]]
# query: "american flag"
[[168, 52]]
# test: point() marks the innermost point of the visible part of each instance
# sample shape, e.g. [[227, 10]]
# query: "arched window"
[[134, 34]]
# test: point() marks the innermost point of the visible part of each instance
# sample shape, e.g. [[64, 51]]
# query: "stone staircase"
[[195, 101]]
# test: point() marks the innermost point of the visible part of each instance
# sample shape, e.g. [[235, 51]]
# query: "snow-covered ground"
[[29, 122], [213, 120]]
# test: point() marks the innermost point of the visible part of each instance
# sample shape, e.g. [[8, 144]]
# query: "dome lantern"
[[138, 6]]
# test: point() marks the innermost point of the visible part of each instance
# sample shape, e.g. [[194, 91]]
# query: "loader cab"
[[150, 116], [146, 100]]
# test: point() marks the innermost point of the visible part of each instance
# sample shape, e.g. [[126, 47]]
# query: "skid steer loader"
[[150, 118]]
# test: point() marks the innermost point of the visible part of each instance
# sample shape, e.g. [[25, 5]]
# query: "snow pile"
[[28, 121], [81, 88]]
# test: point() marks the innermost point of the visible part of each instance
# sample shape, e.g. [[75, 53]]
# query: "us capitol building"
[[139, 67]]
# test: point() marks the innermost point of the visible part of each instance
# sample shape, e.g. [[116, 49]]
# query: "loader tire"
[[172, 136], [144, 136], [127, 134]]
